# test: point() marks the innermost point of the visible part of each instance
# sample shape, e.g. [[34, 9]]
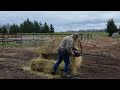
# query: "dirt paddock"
[[99, 62]]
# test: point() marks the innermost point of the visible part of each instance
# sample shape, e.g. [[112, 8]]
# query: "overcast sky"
[[63, 20]]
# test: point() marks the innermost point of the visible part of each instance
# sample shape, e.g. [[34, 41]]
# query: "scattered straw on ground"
[[44, 75], [44, 65]]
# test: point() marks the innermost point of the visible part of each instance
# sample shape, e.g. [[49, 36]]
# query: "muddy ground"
[[101, 60]]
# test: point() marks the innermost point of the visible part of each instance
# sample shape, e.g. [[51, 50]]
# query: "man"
[[64, 52]]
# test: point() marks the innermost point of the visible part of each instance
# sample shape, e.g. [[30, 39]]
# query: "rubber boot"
[[66, 75]]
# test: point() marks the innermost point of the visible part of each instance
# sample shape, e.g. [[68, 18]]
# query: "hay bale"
[[44, 65]]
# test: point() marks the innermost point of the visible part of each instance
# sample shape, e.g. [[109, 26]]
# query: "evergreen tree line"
[[28, 27], [35, 27]]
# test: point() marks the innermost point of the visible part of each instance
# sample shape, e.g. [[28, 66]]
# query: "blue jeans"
[[62, 56]]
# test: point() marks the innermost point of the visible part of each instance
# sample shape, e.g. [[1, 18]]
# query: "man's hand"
[[73, 53]]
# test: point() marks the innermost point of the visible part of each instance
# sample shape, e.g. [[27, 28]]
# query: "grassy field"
[[96, 35]]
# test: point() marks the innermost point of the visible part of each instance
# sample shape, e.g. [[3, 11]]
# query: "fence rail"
[[19, 38]]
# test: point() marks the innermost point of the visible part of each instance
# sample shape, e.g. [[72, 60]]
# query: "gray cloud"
[[63, 20]]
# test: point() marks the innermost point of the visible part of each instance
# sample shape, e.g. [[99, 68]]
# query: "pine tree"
[[45, 28], [0, 30], [36, 27], [111, 27], [119, 30], [41, 27], [26, 26], [51, 29], [4, 30], [22, 28], [14, 29]]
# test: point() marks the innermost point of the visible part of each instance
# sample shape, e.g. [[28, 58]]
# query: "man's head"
[[75, 36]]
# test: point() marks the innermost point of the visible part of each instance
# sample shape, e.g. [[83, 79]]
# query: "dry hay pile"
[[46, 66], [50, 46]]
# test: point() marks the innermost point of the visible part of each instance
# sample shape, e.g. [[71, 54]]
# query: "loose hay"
[[75, 63], [44, 65], [44, 75], [48, 46]]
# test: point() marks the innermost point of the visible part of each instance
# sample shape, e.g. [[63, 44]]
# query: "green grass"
[[95, 35], [9, 45]]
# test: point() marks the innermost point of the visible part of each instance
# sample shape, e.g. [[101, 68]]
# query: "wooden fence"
[[19, 38]]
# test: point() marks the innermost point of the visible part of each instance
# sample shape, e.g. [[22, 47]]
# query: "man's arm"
[[69, 47], [74, 48]]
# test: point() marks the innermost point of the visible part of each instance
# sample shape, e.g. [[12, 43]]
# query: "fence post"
[[2, 39], [87, 36], [81, 36], [33, 36], [51, 36], [84, 36], [21, 38], [91, 36], [33, 40]]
